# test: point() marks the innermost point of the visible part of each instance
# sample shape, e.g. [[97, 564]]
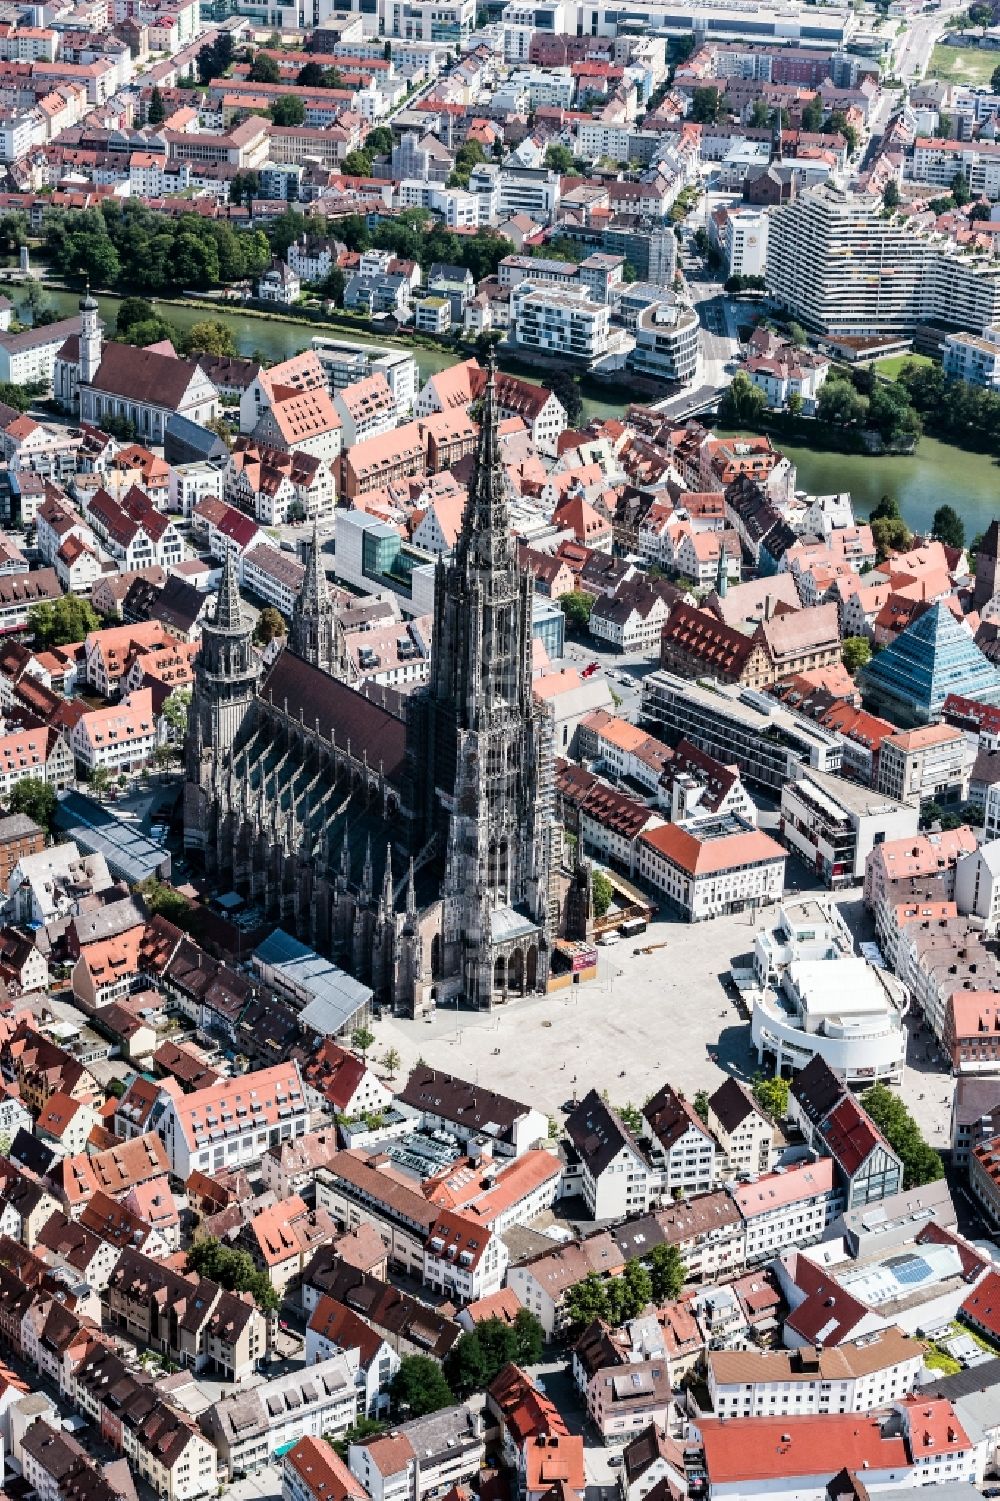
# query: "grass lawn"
[[963, 64], [891, 367]]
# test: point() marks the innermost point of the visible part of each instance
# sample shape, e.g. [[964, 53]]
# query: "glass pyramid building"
[[909, 681]]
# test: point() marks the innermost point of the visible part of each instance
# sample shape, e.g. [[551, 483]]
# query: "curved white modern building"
[[816, 996]]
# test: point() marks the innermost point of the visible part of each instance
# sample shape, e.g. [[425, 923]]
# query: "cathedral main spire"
[[484, 540]]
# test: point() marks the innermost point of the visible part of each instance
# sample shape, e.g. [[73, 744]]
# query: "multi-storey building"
[[856, 1377], [843, 268], [767, 741], [833, 824], [926, 765], [792, 1208], [232, 1123], [559, 322]]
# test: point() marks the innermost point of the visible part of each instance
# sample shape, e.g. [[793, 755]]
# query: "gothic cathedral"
[[416, 844]]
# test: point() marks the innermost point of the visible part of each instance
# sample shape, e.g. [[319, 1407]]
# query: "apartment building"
[[744, 1133], [977, 884], [973, 358], [249, 1428], [712, 865], [608, 1165], [233, 1123], [912, 856], [856, 1377], [984, 1178], [221, 1332], [833, 824], [312, 1470], [789, 1208], [432, 1455], [843, 268], [542, 1281], [559, 321], [680, 1147], [926, 765], [666, 341]]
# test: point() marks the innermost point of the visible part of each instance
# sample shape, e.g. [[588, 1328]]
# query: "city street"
[[623, 670]]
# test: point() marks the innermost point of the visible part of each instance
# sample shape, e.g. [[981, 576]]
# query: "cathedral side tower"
[[313, 630], [227, 677]]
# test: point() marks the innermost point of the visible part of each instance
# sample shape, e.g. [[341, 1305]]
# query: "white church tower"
[[91, 340]]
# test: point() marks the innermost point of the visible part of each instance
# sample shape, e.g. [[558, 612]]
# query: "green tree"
[[891, 196], [576, 606], [760, 114], [270, 623], [603, 892], [890, 412], [566, 389], [840, 404], [244, 187], [772, 1095], [701, 1104], [361, 1429], [233, 1270], [530, 1337], [311, 76], [99, 780], [132, 310], [559, 159], [288, 110], [921, 1164], [419, 1387], [742, 404], [334, 286], [887, 509], [638, 1285], [264, 69], [948, 527], [812, 115], [390, 1062], [63, 621], [175, 711], [981, 15], [14, 231], [152, 331], [477, 1358], [356, 164], [856, 652], [468, 156], [995, 80], [36, 799], [705, 105], [156, 113], [584, 1302], [163, 901], [667, 1273], [465, 1367], [209, 336], [379, 142], [361, 1040], [890, 536]]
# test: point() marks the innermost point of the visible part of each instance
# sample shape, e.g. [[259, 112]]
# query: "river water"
[[935, 474]]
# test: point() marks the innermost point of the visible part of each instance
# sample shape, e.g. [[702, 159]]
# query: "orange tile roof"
[[703, 857]]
